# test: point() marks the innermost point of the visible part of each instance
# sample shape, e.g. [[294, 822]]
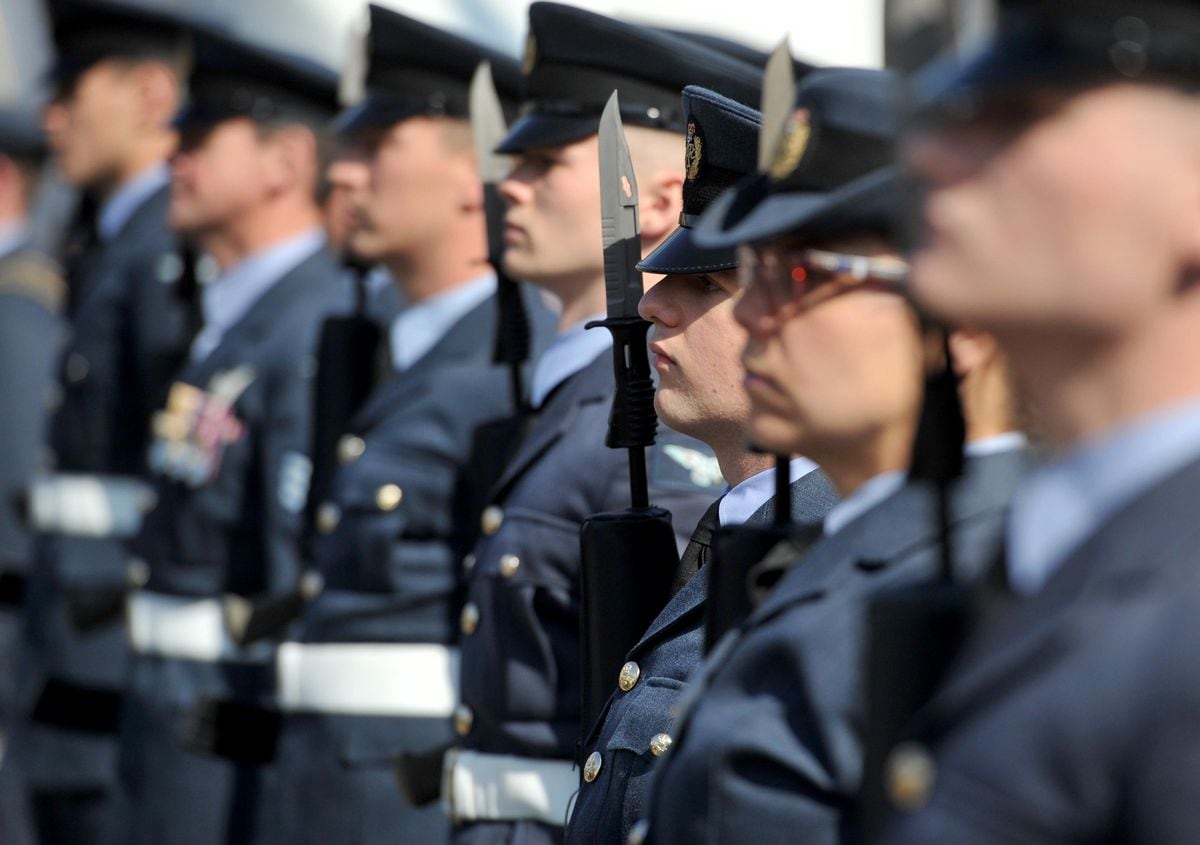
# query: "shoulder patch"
[[33, 275]]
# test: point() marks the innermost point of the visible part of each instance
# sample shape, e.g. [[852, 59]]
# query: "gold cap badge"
[[693, 152], [792, 145], [530, 55]]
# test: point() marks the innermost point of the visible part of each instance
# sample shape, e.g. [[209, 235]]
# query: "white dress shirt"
[[743, 499]]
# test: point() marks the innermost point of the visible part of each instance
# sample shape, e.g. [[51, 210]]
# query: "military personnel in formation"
[[372, 673], [31, 296], [1060, 169], [769, 744], [116, 82], [229, 455], [697, 347], [521, 682]]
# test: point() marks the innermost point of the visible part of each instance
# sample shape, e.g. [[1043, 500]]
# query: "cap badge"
[[694, 152], [796, 133], [530, 55]]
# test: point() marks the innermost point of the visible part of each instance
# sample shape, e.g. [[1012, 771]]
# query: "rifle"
[[635, 546], [737, 549], [915, 632]]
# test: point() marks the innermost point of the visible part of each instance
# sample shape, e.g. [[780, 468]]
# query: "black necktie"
[[699, 547]]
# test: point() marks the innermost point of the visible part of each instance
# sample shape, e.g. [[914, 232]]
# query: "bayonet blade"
[[619, 215], [487, 125], [488, 129], [778, 100]]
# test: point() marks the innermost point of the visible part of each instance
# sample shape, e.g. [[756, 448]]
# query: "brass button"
[[491, 520], [463, 719], [630, 673], [350, 448], [468, 620], [509, 564], [328, 517], [910, 774], [660, 744], [591, 768], [639, 832], [312, 584], [77, 367], [388, 497], [137, 571], [468, 563]]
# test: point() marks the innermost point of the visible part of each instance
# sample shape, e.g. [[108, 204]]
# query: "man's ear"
[[293, 158], [660, 199], [158, 89]]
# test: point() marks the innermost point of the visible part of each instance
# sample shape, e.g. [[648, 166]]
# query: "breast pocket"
[[641, 736]]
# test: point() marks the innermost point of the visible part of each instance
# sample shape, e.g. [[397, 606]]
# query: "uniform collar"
[[120, 207], [870, 493], [569, 352], [231, 295], [1062, 503], [745, 498], [418, 327]]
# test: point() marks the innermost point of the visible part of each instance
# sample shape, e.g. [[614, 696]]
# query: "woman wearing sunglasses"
[[769, 746]]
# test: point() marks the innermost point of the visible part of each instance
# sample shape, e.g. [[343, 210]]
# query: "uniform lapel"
[[591, 384]]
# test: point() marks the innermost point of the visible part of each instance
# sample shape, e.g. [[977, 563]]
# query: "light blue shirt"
[[228, 297], [418, 327], [12, 235], [1059, 505], [567, 354], [117, 209], [870, 493], [740, 503]]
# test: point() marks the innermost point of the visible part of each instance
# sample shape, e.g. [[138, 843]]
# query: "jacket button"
[[468, 620], [328, 517], [312, 584], [630, 673], [468, 562], [137, 572], [77, 367], [509, 564], [591, 768], [350, 448], [491, 519], [463, 720], [388, 497], [638, 833], [660, 744], [910, 774]]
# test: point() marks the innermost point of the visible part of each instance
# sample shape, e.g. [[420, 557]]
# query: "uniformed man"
[[697, 347], [229, 455], [372, 673], [770, 745], [31, 295], [521, 684], [117, 79], [1065, 150]]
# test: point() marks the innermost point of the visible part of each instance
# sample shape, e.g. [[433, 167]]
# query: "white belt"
[[89, 505], [368, 679], [500, 787], [185, 628]]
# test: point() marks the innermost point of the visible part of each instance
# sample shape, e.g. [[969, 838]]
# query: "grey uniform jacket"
[[662, 660], [773, 747], [521, 681], [1074, 717]]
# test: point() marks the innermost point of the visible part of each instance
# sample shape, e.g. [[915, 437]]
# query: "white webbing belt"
[[501, 787], [185, 628], [368, 679], [89, 505]]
